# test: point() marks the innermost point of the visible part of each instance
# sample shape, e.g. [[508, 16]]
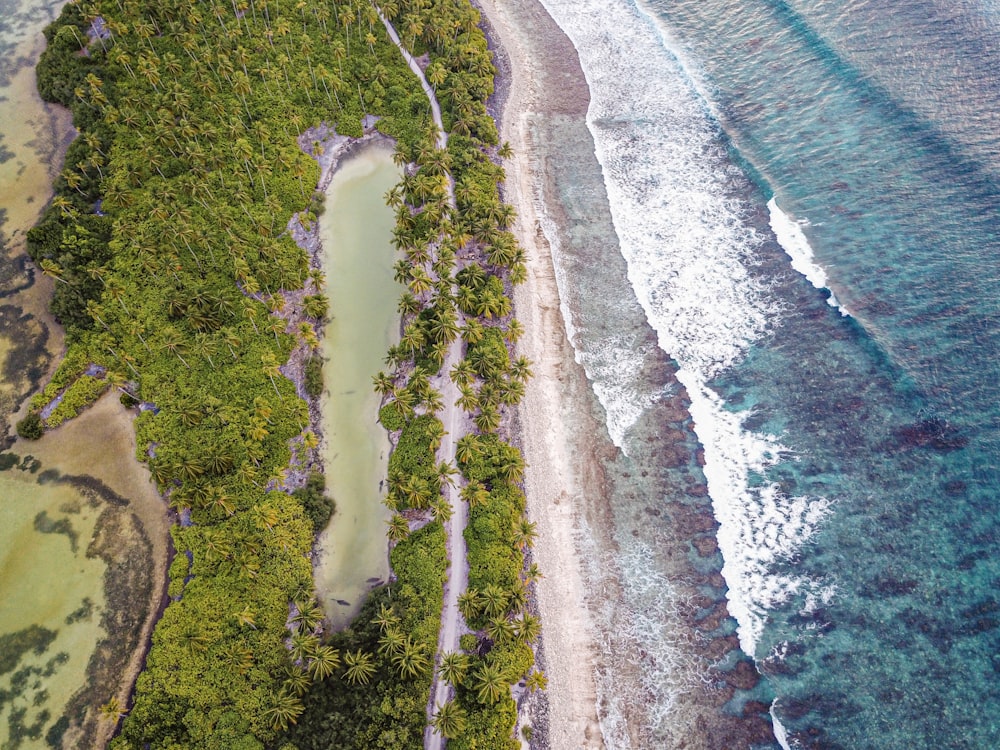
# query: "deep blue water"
[[852, 453], [878, 123]]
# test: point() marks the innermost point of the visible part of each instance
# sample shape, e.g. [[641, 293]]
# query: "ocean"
[[805, 195]]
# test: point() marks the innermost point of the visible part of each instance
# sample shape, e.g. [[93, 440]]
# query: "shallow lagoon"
[[356, 230], [82, 532]]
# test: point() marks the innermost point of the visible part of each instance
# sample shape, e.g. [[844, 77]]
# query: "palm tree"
[[462, 373], [536, 681], [469, 604], [285, 711], [408, 304], [327, 660], [193, 639], [525, 532], [383, 383], [308, 617], [174, 342], [527, 628], [518, 274], [520, 368], [517, 598], [246, 618], [441, 509], [399, 528], [392, 641], [410, 661], [468, 399], [500, 629], [436, 432], [112, 710], [466, 449], [218, 499], [532, 574], [304, 646], [475, 493], [512, 469], [450, 720], [494, 600], [473, 332], [454, 665], [418, 492], [360, 667], [488, 418], [489, 683], [446, 473], [297, 681], [386, 618]]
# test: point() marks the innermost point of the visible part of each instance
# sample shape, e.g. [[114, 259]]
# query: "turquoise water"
[[843, 381]]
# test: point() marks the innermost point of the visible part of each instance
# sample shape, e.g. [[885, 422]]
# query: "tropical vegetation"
[[180, 285]]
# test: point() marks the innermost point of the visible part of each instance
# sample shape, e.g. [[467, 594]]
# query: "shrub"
[[31, 427], [314, 376], [391, 416], [317, 505]]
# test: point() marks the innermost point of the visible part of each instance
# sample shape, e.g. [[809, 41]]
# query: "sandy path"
[[555, 484], [435, 107], [452, 622]]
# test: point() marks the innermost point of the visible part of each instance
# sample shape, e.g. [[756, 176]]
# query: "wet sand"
[[92, 458], [636, 642]]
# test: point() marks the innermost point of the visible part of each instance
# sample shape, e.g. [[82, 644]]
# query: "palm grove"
[[174, 272]]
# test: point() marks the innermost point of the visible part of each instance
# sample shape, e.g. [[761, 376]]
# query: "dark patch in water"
[[933, 433], [15, 645], [886, 584], [45, 525]]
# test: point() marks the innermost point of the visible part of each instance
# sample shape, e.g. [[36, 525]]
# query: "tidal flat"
[[83, 544]]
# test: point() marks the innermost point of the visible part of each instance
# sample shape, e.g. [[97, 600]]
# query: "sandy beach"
[[558, 493], [632, 646]]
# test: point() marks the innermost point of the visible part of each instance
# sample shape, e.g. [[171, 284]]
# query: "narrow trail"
[[455, 425], [428, 89]]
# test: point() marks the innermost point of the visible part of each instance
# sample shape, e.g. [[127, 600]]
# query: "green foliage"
[[489, 354], [468, 642], [71, 367], [391, 416], [412, 466], [317, 505], [80, 394], [490, 725], [386, 712], [188, 118], [314, 376], [31, 427]]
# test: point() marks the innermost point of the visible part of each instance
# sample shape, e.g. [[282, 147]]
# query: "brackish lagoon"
[[356, 231]]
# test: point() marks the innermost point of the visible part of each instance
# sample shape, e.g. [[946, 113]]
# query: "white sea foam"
[[613, 363], [780, 733], [689, 251], [796, 246], [640, 633]]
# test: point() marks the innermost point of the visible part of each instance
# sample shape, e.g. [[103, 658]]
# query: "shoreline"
[[609, 685], [565, 715]]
